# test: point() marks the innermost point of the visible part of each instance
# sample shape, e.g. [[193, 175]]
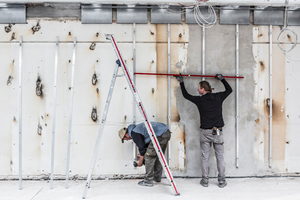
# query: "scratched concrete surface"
[[283, 188]]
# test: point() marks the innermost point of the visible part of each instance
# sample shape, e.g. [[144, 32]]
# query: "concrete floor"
[[237, 188]]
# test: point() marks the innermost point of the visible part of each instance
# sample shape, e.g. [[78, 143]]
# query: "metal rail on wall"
[[20, 111], [237, 100], [270, 100], [70, 112], [54, 113], [169, 91]]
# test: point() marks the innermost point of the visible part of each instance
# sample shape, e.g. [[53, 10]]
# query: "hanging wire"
[[285, 51], [207, 21], [201, 19]]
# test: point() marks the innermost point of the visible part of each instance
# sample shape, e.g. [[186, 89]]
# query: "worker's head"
[[123, 134], [204, 87]]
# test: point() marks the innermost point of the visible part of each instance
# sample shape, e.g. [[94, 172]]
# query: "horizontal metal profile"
[[190, 15], [293, 18], [96, 15], [269, 16], [235, 16], [54, 11], [170, 15], [15, 14], [132, 15]]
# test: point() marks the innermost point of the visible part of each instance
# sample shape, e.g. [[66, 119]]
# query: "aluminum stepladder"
[[121, 63]]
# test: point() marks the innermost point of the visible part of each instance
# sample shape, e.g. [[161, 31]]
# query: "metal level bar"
[[104, 115], [144, 114], [189, 75], [237, 99], [70, 112], [169, 91], [271, 104], [54, 113], [203, 52], [134, 80], [20, 111]]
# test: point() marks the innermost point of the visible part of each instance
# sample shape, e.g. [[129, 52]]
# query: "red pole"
[[207, 76]]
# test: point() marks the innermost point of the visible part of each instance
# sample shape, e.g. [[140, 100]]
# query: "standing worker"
[[139, 134], [210, 108]]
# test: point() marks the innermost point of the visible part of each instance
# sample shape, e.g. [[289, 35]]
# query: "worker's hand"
[[219, 77], [179, 78], [139, 163]]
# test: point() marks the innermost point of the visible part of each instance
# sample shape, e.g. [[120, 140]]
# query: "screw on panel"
[[39, 129], [97, 34], [36, 28], [39, 87], [13, 36], [95, 78], [9, 80], [94, 115], [8, 28], [93, 46]]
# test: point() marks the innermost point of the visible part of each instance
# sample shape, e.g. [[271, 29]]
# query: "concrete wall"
[[115, 159]]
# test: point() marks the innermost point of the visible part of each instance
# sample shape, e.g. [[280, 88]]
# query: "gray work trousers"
[[152, 164], [206, 140]]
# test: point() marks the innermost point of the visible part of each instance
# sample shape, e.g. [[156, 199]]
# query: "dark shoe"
[[222, 184], [143, 183], [157, 179], [204, 182]]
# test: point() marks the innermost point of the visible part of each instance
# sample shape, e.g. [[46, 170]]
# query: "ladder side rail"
[[104, 115], [143, 112]]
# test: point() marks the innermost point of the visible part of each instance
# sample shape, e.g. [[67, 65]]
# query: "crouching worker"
[[139, 134]]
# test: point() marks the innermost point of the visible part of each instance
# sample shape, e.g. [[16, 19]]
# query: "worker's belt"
[[215, 130], [220, 129]]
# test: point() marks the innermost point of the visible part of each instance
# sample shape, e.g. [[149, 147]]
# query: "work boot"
[[222, 184], [156, 179], [144, 183], [204, 182]]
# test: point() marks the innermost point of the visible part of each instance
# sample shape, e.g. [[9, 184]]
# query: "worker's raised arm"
[[228, 88], [183, 90]]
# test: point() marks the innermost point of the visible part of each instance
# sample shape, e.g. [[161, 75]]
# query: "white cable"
[[201, 19], [294, 44], [286, 29]]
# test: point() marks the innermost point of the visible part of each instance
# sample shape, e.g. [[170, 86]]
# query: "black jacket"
[[209, 106]]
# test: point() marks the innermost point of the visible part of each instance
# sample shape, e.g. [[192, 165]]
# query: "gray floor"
[[237, 188]]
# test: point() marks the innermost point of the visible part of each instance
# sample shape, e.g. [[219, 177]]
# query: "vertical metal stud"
[[54, 112], [237, 100], [271, 105], [169, 90], [134, 81], [20, 112], [70, 112], [203, 51]]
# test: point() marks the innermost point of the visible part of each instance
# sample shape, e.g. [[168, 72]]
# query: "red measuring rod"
[[207, 76]]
